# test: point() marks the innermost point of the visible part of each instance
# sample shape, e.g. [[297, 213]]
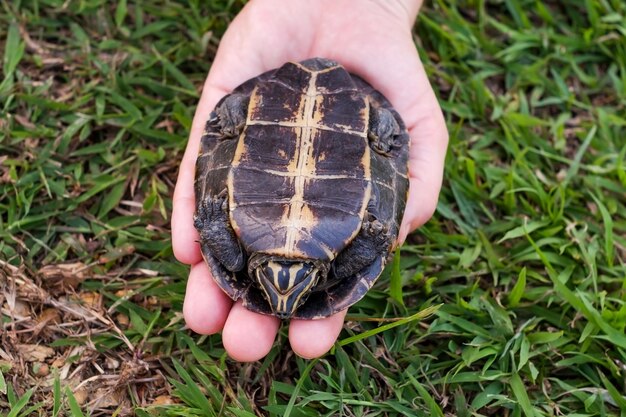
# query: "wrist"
[[403, 12], [403, 9], [412, 8]]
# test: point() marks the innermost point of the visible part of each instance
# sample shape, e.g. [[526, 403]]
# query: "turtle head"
[[287, 283]]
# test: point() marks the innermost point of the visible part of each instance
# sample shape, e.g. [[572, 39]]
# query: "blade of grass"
[[303, 376], [395, 284], [608, 230], [618, 397], [575, 166], [21, 403], [518, 289], [13, 51], [74, 407], [435, 410], [519, 391], [3, 384], [56, 397], [428, 311]]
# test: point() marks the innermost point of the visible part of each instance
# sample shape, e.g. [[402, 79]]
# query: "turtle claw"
[[211, 221], [378, 232], [210, 208], [199, 216], [383, 130], [231, 114], [373, 241]]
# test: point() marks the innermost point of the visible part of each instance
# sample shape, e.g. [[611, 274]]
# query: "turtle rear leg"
[[383, 129], [217, 238], [372, 242]]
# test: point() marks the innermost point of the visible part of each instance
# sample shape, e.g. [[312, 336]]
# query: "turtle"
[[301, 184]]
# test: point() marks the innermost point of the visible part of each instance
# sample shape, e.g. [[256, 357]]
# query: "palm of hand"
[[375, 44]]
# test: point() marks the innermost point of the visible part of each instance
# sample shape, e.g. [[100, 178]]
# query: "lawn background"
[[514, 294]]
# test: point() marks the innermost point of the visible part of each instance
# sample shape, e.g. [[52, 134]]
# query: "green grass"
[[522, 267]]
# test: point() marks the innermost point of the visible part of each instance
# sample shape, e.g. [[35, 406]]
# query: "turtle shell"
[[301, 177]]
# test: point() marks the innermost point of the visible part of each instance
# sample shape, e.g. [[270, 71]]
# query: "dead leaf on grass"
[[80, 395], [106, 397], [18, 308], [66, 275], [91, 299], [163, 400], [34, 353], [49, 315]]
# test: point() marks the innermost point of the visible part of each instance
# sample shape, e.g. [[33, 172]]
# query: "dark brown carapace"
[[300, 185]]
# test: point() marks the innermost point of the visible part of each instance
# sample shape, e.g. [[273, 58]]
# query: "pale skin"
[[371, 38]]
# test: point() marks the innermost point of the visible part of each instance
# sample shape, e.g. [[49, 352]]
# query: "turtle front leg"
[[383, 129], [372, 242], [231, 114], [217, 237]]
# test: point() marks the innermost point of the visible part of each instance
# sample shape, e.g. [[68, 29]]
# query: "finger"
[[248, 336], [429, 143], [313, 338], [184, 236], [406, 85], [206, 306]]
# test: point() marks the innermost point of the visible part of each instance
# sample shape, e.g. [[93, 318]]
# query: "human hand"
[[371, 39]]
